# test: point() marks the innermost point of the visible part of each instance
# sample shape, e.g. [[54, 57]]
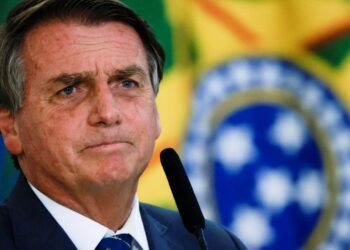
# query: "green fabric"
[[155, 13], [5, 7], [335, 51]]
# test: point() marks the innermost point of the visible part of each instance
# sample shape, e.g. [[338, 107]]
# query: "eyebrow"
[[118, 74], [73, 78], [132, 70]]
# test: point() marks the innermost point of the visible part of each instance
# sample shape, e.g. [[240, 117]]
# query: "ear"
[[9, 132]]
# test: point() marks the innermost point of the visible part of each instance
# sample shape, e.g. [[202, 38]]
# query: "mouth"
[[106, 146]]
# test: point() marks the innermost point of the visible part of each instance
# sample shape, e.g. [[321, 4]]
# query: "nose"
[[105, 110]]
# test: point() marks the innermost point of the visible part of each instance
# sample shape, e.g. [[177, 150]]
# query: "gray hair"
[[31, 13]]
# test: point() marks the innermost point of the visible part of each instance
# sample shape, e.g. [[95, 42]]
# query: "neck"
[[109, 205]]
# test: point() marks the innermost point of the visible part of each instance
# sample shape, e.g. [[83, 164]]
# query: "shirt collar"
[[86, 233]]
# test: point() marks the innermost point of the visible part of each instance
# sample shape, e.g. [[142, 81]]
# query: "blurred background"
[[256, 100]]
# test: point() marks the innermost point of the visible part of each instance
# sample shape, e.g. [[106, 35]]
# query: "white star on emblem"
[[310, 191], [234, 147], [252, 227], [288, 132], [274, 189]]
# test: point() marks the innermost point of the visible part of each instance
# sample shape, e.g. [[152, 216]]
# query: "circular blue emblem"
[[268, 154]]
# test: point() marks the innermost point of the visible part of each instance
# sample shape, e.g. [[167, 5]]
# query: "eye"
[[68, 90], [128, 84]]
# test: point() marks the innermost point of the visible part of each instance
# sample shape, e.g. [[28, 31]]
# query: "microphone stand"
[[198, 232], [184, 196]]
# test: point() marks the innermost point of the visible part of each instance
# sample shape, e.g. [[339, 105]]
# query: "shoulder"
[[216, 235], [5, 224], [6, 233], [161, 214]]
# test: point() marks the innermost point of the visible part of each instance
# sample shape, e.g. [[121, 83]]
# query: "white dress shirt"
[[86, 233]]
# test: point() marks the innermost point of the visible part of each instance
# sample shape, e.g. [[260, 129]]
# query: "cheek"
[[148, 122], [44, 132]]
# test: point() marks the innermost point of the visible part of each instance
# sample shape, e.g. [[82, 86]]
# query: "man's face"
[[89, 114]]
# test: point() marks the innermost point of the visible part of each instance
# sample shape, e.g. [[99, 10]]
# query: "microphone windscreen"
[[181, 188]]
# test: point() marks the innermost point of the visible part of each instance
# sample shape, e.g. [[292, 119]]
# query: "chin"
[[112, 169], [117, 172]]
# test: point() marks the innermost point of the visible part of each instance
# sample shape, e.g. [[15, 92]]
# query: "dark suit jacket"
[[26, 224]]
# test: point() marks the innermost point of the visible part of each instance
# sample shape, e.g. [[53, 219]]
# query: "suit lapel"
[[35, 228], [158, 235], [33, 225]]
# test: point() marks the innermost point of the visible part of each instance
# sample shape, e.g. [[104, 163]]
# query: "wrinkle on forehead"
[[55, 39], [57, 33]]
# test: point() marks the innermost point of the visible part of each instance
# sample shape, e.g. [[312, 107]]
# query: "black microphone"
[[184, 196]]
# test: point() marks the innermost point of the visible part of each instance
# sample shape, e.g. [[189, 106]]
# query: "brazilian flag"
[[267, 143]]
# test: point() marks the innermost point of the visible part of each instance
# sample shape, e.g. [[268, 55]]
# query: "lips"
[[105, 145]]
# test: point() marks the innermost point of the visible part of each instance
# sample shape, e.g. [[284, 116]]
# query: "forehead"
[[57, 41]]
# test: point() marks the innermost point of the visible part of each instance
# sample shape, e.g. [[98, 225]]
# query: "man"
[[78, 81]]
